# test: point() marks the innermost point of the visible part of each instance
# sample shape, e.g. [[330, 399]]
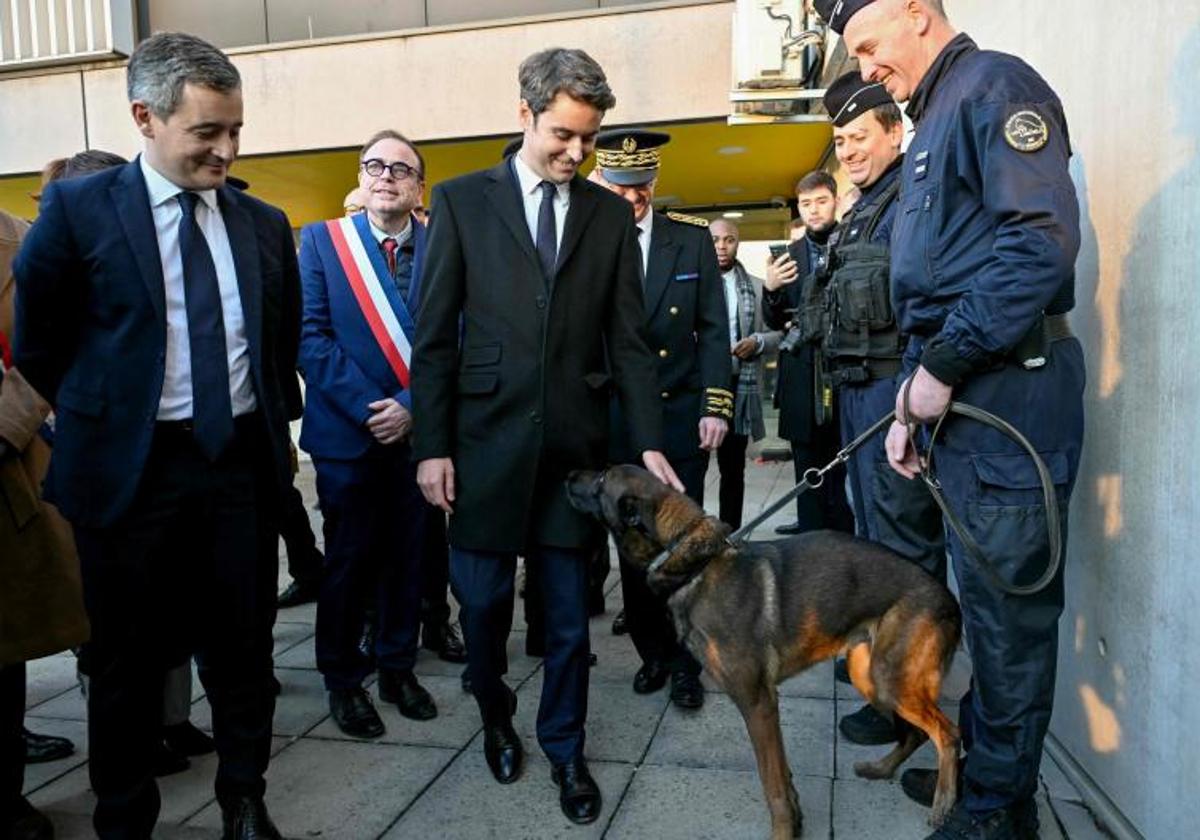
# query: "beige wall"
[[447, 84], [1130, 652]]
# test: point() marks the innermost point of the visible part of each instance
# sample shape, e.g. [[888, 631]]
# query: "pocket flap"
[[481, 354], [477, 383], [1017, 471], [89, 405], [596, 381]]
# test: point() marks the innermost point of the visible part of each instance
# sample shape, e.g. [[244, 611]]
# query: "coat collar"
[[661, 260]]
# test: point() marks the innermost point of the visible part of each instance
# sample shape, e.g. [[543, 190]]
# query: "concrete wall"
[[1130, 652]]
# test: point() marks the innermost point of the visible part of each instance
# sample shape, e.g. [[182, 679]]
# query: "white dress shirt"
[[531, 197], [645, 230], [176, 400], [732, 303]]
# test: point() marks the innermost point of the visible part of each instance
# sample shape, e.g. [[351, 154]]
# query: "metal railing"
[[43, 32]]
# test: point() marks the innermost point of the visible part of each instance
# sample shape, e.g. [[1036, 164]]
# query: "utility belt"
[[1032, 351], [861, 371]]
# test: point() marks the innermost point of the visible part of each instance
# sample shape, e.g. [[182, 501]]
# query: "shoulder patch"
[[1026, 131], [686, 219]]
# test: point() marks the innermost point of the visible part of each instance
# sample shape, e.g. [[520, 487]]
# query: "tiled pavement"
[[664, 773]]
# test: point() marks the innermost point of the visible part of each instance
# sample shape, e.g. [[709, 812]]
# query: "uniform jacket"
[[344, 368], [795, 389], [41, 597], [523, 399], [688, 331], [91, 330], [987, 233]]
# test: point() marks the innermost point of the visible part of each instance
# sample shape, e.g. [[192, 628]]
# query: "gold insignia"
[[629, 145], [687, 220], [1026, 131]]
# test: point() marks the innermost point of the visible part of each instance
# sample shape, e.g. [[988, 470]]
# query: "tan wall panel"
[[226, 23], [40, 118], [463, 11], [297, 20]]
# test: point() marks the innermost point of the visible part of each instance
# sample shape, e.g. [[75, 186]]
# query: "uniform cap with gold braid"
[[629, 157], [718, 402]]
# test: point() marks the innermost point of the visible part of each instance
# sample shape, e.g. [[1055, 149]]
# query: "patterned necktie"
[[390, 246], [212, 407], [547, 238]]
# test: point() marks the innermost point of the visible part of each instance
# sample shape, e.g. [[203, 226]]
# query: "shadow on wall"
[[1132, 652]]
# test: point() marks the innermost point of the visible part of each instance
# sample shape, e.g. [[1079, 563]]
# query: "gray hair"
[[550, 72], [166, 61]]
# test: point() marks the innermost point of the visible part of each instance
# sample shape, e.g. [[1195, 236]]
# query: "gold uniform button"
[[674, 310], [662, 354], [666, 395]]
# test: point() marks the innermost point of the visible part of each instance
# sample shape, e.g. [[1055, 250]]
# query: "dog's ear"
[[630, 511], [705, 539]]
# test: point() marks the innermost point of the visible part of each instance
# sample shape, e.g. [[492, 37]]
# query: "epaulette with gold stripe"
[[718, 402], [687, 220]]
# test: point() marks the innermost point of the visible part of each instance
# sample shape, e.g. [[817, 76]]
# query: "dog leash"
[[813, 478]]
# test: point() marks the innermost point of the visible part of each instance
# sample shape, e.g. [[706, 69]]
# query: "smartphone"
[[777, 249]]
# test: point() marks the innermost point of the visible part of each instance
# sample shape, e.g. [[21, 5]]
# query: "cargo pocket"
[[1006, 515]]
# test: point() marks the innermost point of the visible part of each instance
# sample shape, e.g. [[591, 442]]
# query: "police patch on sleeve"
[[1026, 131]]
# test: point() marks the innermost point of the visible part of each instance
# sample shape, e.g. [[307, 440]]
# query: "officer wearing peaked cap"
[[982, 270], [687, 327]]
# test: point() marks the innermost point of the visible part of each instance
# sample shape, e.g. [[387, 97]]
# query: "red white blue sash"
[[383, 311]]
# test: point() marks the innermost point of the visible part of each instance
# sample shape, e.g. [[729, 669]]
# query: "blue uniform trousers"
[[482, 582], [993, 487], [888, 508], [374, 526]]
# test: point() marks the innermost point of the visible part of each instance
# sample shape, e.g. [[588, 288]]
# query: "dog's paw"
[[939, 812], [871, 770]]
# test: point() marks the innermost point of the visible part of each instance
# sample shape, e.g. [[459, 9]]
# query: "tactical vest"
[[847, 307]]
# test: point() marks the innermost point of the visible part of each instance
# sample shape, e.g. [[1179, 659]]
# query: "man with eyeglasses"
[[360, 278]]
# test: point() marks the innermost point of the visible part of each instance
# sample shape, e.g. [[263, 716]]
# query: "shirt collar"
[[401, 238], [161, 190], [959, 45], [530, 181]]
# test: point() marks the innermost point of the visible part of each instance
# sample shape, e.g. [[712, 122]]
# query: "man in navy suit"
[[158, 310], [361, 277]]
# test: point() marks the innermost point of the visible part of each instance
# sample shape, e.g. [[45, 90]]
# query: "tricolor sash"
[[380, 302]]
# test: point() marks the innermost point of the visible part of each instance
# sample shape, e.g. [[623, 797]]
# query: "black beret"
[[629, 156], [837, 13], [850, 97]]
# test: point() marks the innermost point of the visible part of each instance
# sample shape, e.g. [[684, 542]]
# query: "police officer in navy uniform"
[[687, 327], [983, 254], [848, 309]]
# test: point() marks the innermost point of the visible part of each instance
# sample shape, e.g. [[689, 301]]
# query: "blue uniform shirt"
[[987, 231]]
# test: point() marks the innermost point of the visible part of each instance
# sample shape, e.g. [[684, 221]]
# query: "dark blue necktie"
[[212, 409], [547, 239]]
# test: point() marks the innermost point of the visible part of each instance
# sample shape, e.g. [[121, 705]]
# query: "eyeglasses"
[[375, 168]]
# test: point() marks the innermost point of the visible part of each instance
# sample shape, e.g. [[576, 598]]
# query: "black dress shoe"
[[1017, 822], [186, 739], [503, 751], [354, 714], [868, 727], [789, 530], [402, 688], [26, 823], [919, 783], [298, 593], [42, 748], [167, 762], [535, 645], [841, 671], [246, 818], [650, 678], [686, 690], [578, 794], [620, 628], [444, 640]]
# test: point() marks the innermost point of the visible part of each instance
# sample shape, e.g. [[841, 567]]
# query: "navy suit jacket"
[[343, 366], [91, 330]]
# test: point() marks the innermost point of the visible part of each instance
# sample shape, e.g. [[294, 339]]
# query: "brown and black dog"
[[757, 613]]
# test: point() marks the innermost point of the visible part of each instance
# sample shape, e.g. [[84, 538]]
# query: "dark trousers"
[[993, 487], [435, 570], [888, 508], [190, 567], [374, 524], [825, 507], [12, 745], [731, 461], [304, 560], [483, 584], [646, 614]]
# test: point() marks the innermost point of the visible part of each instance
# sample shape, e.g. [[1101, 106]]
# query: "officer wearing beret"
[[983, 253], [687, 327], [847, 308]]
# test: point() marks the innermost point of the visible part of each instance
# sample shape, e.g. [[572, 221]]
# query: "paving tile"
[[67, 705], [876, 810], [1058, 787], [38, 775], [456, 724], [710, 804], [288, 634], [338, 789], [715, 736], [48, 677], [302, 614], [302, 705], [1076, 820], [466, 797], [848, 753]]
